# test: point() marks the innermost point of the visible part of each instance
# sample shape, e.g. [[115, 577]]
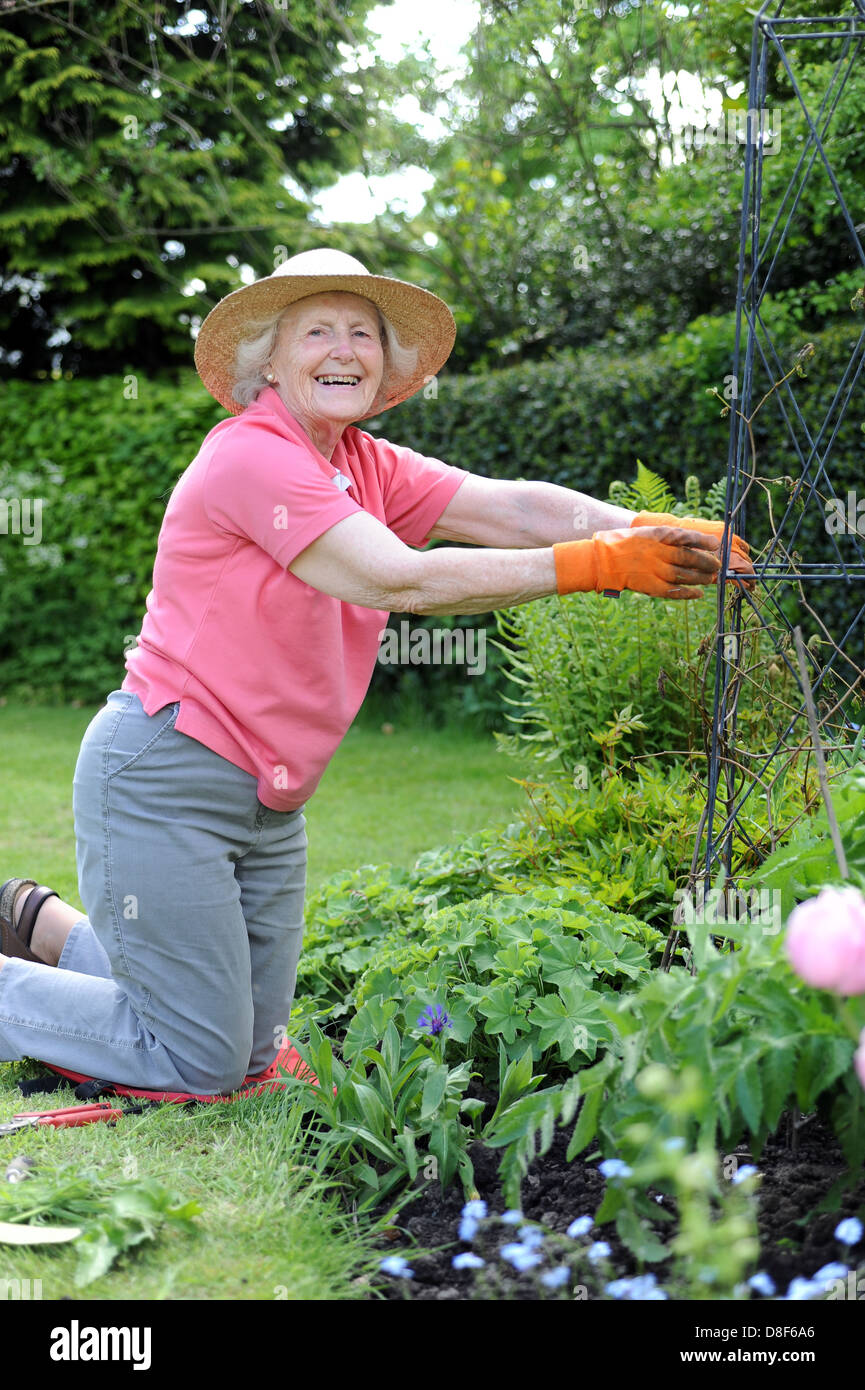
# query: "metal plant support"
[[793, 584]]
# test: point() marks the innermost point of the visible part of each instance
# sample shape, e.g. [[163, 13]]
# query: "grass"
[[385, 798], [269, 1229]]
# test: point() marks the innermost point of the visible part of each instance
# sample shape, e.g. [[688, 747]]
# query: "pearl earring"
[[270, 377]]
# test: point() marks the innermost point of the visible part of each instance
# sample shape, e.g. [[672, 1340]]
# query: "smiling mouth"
[[333, 380]]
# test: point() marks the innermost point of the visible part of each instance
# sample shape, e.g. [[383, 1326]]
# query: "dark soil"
[[794, 1239]]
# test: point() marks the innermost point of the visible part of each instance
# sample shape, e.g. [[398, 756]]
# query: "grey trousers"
[[181, 976]]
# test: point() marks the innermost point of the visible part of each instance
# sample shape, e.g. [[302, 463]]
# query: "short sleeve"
[[415, 489], [272, 492]]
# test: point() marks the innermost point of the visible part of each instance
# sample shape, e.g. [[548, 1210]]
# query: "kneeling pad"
[[286, 1062]]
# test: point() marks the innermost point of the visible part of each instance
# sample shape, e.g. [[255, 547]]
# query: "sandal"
[[15, 940]]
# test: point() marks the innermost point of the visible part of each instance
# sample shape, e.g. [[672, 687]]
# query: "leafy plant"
[[597, 674], [135, 1214], [757, 1040], [806, 862], [376, 1112], [116, 1214]]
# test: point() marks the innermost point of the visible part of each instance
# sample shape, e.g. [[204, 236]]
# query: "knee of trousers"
[[215, 1065]]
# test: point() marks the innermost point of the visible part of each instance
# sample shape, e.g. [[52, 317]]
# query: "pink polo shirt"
[[270, 672]]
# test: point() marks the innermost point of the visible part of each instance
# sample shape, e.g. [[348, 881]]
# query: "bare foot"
[[54, 922]]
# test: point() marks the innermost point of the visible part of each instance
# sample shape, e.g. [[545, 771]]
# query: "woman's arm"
[[498, 512], [360, 561]]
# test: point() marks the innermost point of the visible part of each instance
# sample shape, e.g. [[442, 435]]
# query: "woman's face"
[[328, 360]]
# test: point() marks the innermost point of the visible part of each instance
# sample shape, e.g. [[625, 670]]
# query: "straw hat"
[[423, 322]]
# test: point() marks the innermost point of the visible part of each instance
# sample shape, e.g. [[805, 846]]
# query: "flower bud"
[[825, 940]]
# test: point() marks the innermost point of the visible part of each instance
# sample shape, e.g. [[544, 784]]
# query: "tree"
[[569, 206], [149, 151]]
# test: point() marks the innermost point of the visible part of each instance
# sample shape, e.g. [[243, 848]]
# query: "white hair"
[[252, 358]]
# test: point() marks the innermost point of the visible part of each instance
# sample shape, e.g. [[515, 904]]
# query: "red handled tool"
[[62, 1119]]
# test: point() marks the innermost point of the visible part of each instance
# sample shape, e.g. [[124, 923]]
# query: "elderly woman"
[[285, 544]]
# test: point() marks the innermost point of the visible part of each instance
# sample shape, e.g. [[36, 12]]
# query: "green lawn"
[[265, 1231], [385, 798]]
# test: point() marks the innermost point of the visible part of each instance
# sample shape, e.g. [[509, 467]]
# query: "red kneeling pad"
[[287, 1061]]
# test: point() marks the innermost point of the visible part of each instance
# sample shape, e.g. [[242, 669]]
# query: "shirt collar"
[[270, 400]]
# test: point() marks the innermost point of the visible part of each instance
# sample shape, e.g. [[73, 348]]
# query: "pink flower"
[[859, 1058], [825, 940]]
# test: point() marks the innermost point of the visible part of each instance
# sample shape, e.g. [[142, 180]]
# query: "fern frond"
[[648, 492]]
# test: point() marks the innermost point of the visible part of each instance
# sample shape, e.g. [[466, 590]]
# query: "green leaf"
[[639, 1237], [433, 1090], [367, 1174], [472, 1107], [563, 961], [499, 1008], [368, 1025], [571, 1019], [444, 1145], [749, 1094], [405, 1142], [517, 1078], [372, 1109], [390, 1048], [821, 1061], [587, 1123], [779, 1067], [522, 1118], [379, 1146], [848, 1119]]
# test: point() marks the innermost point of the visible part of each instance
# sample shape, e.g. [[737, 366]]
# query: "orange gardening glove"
[[739, 549], [737, 545], [665, 562]]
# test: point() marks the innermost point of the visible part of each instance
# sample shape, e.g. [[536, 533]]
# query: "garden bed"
[[795, 1240]]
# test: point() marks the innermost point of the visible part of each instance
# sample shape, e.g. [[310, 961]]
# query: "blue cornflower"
[[580, 1227], [642, 1286], [829, 1273], [742, 1174], [614, 1168], [849, 1231], [520, 1256], [555, 1278], [467, 1261], [511, 1218], [531, 1236], [435, 1020], [802, 1289], [599, 1251], [397, 1266], [762, 1283]]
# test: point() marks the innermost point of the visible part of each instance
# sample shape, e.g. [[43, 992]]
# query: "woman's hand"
[[664, 561]]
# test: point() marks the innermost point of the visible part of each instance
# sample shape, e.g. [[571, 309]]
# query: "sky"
[[447, 26]]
